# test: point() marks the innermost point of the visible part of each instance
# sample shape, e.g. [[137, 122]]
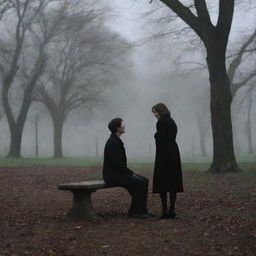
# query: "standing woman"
[[167, 171]]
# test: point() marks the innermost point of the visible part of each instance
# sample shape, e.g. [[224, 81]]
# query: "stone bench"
[[82, 205]]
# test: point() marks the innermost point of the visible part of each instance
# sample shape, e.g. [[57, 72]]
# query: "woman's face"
[[156, 114]]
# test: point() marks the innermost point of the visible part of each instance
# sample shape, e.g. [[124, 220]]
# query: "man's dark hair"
[[161, 109], [114, 123]]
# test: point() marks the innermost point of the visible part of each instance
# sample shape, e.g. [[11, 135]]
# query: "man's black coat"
[[115, 163]]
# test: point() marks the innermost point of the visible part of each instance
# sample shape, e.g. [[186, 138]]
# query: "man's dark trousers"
[[137, 187]]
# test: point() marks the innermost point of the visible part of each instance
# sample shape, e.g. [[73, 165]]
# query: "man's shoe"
[[164, 215], [151, 215], [172, 215]]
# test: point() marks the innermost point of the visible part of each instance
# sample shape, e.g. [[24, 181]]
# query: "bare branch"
[[202, 12], [184, 13], [237, 60], [5, 5], [236, 86], [226, 11]]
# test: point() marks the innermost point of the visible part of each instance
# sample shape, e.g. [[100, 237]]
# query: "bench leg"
[[82, 206]]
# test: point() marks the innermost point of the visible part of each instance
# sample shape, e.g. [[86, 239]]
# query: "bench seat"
[[93, 184], [82, 205]]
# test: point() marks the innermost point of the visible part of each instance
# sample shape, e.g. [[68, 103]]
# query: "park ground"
[[215, 215]]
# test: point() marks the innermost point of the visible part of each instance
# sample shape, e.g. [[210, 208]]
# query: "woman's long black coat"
[[167, 170]]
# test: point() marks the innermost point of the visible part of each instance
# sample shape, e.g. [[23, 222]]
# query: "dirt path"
[[215, 216]]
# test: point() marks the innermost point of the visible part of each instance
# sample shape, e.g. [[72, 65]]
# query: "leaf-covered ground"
[[215, 216]]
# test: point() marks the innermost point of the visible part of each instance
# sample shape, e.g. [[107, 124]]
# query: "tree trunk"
[[250, 147], [202, 127], [248, 124], [236, 141], [223, 150], [15, 143], [58, 118], [58, 126], [202, 144], [16, 128]]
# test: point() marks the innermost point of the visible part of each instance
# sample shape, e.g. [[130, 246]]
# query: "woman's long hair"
[[161, 109]]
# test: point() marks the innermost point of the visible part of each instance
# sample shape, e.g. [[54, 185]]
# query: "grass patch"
[[199, 164], [26, 162]]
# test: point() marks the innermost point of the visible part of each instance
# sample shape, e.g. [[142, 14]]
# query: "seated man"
[[115, 171]]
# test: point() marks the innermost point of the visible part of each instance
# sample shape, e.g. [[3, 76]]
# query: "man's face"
[[121, 129]]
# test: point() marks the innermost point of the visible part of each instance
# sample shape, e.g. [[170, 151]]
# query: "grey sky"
[[130, 23], [154, 79]]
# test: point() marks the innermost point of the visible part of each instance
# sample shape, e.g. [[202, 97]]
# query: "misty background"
[[150, 68]]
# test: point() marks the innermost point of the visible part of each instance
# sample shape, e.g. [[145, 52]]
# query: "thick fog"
[[171, 70]]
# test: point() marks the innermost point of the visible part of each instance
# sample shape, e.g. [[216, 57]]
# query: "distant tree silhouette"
[[81, 59]]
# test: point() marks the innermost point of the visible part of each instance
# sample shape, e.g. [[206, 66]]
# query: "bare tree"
[[5, 5], [244, 107], [241, 62], [202, 116], [82, 58], [248, 127], [215, 39], [245, 55], [27, 20], [241, 72]]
